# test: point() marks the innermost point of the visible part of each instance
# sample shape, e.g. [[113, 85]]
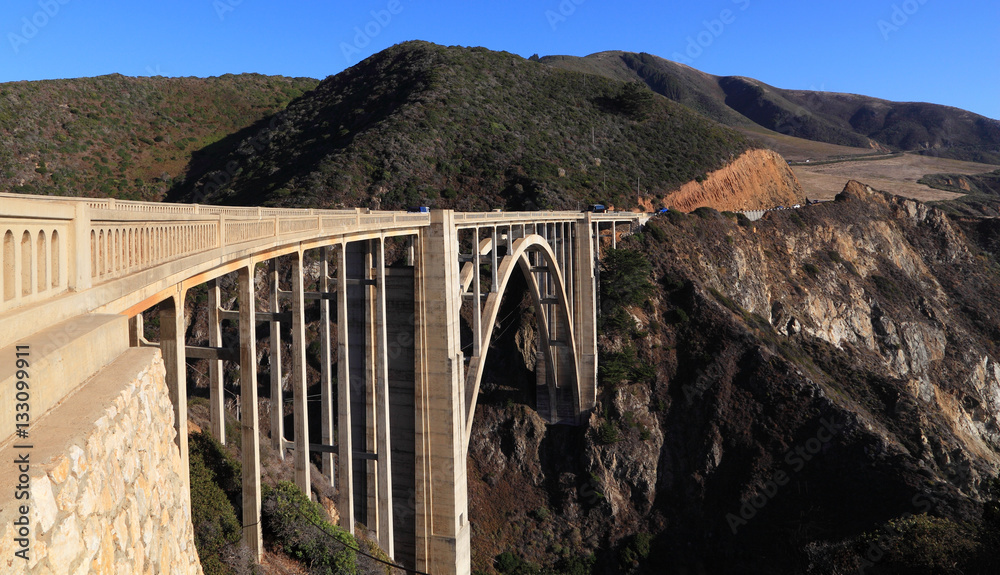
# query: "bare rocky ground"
[[898, 174]]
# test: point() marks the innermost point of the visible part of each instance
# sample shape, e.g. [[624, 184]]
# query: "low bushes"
[[297, 526]]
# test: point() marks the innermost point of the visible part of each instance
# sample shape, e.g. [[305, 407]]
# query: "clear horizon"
[[900, 50]]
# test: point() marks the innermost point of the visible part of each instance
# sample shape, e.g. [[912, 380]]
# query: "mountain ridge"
[[468, 128], [828, 117], [121, 136]]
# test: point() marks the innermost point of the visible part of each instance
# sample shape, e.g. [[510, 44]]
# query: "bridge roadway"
[[403, 394]]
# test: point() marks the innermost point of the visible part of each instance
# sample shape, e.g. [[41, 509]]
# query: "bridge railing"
[[34, 251], [51, 245], [474, 219], [56, 244]]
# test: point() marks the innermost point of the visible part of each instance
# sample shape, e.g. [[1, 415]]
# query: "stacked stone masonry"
[[113, 501]]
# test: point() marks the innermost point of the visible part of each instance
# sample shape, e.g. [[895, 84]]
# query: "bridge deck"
[[405, 416]]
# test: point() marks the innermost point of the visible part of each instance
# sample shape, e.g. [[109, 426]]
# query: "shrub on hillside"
[[299, 529], [624, 279], [919, 544], [214, 477]]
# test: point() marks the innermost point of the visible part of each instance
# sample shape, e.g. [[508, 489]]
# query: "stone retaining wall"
[[107, 489]]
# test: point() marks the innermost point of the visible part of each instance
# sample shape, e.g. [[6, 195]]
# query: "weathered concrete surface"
[[61, 358], [107, 488], [441, 492]]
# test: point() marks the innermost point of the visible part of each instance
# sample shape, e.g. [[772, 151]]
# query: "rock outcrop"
[[805, 380], [758, 179]]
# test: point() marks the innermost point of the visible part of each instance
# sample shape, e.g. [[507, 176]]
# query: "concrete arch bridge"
[[397, 391]]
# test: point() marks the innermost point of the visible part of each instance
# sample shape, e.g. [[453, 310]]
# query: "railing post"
[[79, 251]]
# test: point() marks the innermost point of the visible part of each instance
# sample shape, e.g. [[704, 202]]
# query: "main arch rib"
[[518, 259]]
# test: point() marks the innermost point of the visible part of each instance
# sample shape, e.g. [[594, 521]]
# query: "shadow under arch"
[[561, 353]]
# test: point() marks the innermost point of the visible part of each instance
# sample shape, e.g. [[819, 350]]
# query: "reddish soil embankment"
[[758, 179]]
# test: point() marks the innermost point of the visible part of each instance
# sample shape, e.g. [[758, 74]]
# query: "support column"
[[597, 238], [216, 389], [494, 262], [301, 408], [543, 395], [249, 429], [135, 330], [614, 236], [364, 416], [326, 365], [477, 302], [568, 254], [409, 251], [443, 546], [274, 357], [584, 298], [384, 453], [345, 453], [175, 365]]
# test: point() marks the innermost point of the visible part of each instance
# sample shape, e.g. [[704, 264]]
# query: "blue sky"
[[913, 50]]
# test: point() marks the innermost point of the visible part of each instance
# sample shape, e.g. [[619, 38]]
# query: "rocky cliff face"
[[809, 378], [757, 179]]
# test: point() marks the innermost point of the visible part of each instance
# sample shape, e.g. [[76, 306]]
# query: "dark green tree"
[[624, 279], [635, 100]]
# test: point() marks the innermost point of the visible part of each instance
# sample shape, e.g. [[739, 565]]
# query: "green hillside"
[[421, 124], [842, 119], [124, 137], [982, 193]]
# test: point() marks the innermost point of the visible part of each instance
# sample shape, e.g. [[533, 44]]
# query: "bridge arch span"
[[558, 316]]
